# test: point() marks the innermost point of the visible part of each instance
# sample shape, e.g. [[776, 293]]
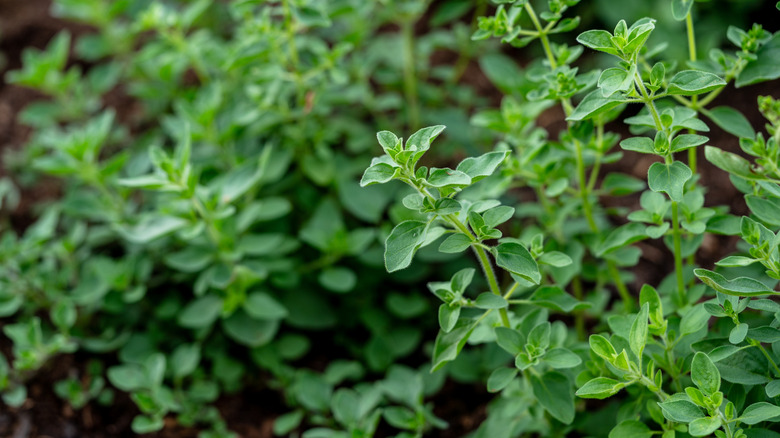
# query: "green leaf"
[[765, 67], [735, 261], [555, 258], [600, 40], [758, 412], [561, 358], [554, 392], [553, 297], [704, 426], [510, 340], [448, 317], [128, 377], [642, 145], [390, 142], [681, 411], [260, 305], [602, 347], [489, 300], [482, 166], [731, 121], [184, 360], [143, 424], [740, 286], [669, 178], [766, 209], [618, 184], [773, 389], [693, 82], [455, 243], [704, 374], [448, 345], [379, 173], [152, 227], [191, 259], [738, 333], [599, 388], [730, 162], [249, 331], [637, 337], [447, 177], [500, 378], [497, 215], [615, 79], [620, 237], [286, 423], [201, 313], [687, 141], [681, 8], [539, 336], [400, 246], [515, 258], [594, 104], [631, 429], [694, 320], [338, 279]]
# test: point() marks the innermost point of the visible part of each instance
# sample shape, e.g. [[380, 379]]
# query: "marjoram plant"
[[695, 353]]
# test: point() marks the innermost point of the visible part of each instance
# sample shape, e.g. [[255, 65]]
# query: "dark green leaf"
[[448, 345], [554, 392], [553, 297], [482, 166], [765, 67], [693, 82], [740, 286], [249, 331], [631, 429], [681, 411], [600, 40], [704, 374], [516, 259], [669, 178], [704, 426], [758, 412], [561, 358], [731, 121], [500, 378], [488, 300], [594, 104], [766, 209], [400, 246], [600, 388]]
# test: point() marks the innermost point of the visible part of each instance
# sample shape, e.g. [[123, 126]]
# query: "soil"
[[251, 412]]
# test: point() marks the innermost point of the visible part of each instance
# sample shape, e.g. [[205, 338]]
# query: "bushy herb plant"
[[210, 231], [658, 350]]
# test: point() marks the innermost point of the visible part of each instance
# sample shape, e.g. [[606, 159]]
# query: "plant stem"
[[579, 316], [625, 295], [766, 354], [410, 76], [694, 98], [542, 35], [484, 262], [683, 297]]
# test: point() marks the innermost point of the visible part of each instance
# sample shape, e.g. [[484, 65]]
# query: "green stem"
[[484, 262], [694, 98], [683, 297], [766, 354], [542, 35], [579, 316], [410, 76], [625, 295]]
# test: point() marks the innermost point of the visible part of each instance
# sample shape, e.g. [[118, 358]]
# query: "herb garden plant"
[[213, 230]]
